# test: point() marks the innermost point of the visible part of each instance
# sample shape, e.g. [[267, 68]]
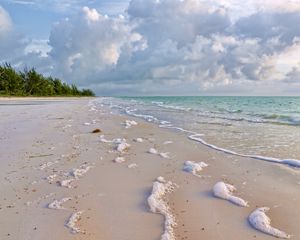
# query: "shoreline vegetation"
[[30, 83]]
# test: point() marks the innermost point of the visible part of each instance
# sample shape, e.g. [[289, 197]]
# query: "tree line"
[[31, 83]]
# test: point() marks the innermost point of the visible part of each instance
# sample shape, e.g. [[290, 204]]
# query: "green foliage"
[[31, 83]]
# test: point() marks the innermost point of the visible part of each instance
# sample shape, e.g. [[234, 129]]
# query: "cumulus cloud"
[[90, 44], [177, 47]]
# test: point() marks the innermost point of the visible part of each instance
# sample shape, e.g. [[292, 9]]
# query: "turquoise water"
[[268, 126]]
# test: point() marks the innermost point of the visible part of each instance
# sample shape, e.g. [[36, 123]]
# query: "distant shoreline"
[[2, 98]]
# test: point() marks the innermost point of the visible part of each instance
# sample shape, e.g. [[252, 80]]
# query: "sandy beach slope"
[[60, 181]]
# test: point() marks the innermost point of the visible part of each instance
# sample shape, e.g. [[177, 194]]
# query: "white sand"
[[114, 197]]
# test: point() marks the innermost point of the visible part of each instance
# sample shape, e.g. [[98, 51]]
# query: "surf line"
[[197, 137]]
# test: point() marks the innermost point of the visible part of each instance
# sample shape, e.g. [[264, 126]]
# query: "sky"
[[158, 47]]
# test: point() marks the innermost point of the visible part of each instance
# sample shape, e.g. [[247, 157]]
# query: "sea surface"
[[258, 126]]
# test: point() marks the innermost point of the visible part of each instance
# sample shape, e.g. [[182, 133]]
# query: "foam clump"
[[224, 191], [119, 160], [158, 204], [71, 223], [66, 183], [260, 221], [51, 178], [152, 151], [132, 165], [79, 172], [130, 123], [193, 167], [47, 164], [123, 147], [139, 140], [57, 204]]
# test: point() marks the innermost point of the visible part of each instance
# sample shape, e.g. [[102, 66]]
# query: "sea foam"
[[123, 147], [130, 123], [79, 172], [260, 221], [71, 223], [57, 204], [152, 151], [66, 183], [119, 160], [139, 140], [193, 167], [224, 191], [158, 204]]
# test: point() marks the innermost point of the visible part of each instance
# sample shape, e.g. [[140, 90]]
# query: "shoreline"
[[21, 98], [63, 130]]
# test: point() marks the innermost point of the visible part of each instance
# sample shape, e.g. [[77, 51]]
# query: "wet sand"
[[48, 153]]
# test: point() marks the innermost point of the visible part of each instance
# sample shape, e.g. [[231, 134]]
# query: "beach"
[[132, 179]]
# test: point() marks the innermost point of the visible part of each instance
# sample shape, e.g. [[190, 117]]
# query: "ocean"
[[260, 127]]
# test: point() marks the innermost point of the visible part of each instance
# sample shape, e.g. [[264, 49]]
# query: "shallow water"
[[267, 126]]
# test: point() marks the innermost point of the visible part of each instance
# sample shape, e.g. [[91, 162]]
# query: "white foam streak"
[[260, 221], [157, 204], [71, 223], [57, 204], [82, 170], [130, 123], [66, 183], [164, 155], [224, 191], [289, 162], [47, 164]]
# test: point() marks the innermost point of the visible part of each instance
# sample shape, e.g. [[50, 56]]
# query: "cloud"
[[5, 22], [89, 44], [10, 42], [174, 44], [175, 47], [72, 6]]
